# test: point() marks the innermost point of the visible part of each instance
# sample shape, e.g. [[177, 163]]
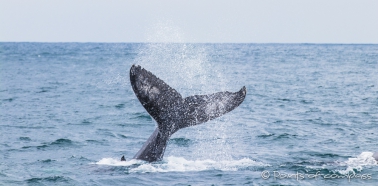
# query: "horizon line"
[[301, 43]]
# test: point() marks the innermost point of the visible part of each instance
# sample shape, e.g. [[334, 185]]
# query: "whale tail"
[[172, 112]]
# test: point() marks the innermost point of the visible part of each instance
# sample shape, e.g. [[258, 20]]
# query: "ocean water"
[[310, 116]]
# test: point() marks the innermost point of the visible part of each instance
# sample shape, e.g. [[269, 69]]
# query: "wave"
[[354, 165], [50, 180], [365, 159], [59, 143], [180, 164]]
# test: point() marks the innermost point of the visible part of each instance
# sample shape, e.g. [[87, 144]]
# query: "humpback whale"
[[375, 156], [173, 112]]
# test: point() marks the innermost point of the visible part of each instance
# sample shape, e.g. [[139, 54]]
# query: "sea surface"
[[310, 117]]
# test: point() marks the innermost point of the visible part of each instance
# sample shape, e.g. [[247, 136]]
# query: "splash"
[[184, 66], [179, 164], [189, 69], [357, 163], [116, 79], [117, 162]]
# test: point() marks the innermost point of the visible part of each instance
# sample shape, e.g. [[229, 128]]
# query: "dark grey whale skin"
[[375, 156], [172, 112]]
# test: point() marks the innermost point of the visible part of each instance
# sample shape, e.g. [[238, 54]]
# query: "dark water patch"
[[80, 159], [284, 99], [183, 142], [45, 54], [285, 136], [122, 136], [51, 180], [2, 174], [104, 106], [85, 122], [62, 142], [339, 129], [5, 145], [120, 106], [27, 147], [24, 138], [42, 91], [46, 161], [57, 143], [282, 106], [265, 135], [8, 100], [96, 142], [365, 113], [328, 141], [46, 89], [326, 155], [39, 147], [367, 99], [92, 141], [306, 102]]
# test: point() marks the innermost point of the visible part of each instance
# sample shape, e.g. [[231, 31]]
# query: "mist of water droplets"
[[188, 69]]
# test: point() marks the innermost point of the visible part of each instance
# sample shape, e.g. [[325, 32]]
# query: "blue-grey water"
[[310, 116]]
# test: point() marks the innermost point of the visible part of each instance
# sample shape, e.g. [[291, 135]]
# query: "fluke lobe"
[[173, 112]]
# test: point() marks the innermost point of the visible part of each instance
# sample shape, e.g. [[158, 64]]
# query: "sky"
[[193, 21]]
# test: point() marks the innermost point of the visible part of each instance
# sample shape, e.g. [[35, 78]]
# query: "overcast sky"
[[236, 21]]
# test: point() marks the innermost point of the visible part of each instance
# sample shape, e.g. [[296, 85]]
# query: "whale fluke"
[[172, 112]]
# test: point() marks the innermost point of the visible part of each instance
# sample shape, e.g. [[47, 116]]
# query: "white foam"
[[117, 162], [362, 160], [179, 164]]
